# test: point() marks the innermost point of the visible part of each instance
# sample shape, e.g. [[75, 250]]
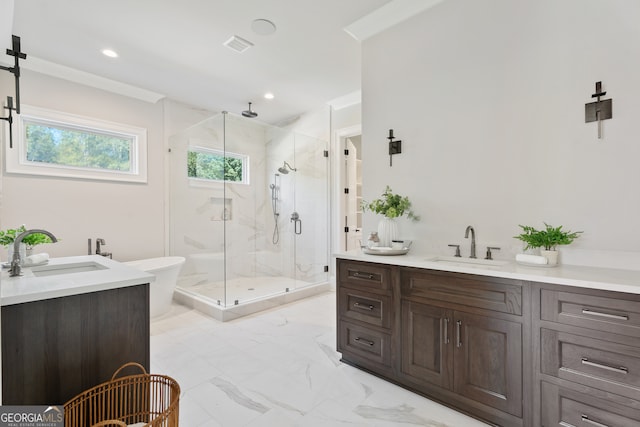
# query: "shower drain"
[[251, 289]]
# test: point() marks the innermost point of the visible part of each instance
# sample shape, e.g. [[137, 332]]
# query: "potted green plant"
[[391, 206], [8, 237], [547, 240]]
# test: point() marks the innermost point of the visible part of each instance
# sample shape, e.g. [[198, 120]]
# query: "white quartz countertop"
[[572, 275], [65, 277]]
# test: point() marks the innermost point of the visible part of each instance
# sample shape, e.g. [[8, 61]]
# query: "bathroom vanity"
[[68, 325], [508, 344]]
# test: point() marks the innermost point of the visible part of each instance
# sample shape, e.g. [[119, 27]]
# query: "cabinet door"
[[488, 361], [426, 343]]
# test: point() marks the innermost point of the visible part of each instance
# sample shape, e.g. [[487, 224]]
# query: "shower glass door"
[[310, 231]]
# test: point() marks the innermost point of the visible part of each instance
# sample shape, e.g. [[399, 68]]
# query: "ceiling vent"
[[238, 44]]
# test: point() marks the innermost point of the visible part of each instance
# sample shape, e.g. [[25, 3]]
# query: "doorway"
[[349, 189]]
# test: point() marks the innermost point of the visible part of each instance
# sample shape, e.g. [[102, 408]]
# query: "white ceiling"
[[175, 48]]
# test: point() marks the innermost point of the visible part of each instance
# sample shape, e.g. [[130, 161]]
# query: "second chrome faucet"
[[473, 240]]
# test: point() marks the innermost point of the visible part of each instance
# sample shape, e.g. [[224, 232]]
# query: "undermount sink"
[[58, 269], [469, 262]]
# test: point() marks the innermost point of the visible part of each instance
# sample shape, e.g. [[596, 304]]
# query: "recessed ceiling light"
[[268, 95], [110, 53], [264, 27]]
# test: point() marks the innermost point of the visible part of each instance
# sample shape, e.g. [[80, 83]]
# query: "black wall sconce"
[[395, 147], [15, 70], [599, 110]]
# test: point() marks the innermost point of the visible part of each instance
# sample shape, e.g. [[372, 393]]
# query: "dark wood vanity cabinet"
[[508, 352], [56, 348]]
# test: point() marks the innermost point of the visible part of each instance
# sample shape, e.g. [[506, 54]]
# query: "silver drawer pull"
[[607, 315], [446, 330], [586, 420], [620, 370], [458, 334], [363, 341], [361, 275], [363, 306]]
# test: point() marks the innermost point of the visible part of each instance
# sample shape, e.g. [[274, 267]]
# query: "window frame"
[[222, 153], [16, 158]]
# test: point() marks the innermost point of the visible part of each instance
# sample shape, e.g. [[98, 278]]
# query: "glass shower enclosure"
[[248, 210]]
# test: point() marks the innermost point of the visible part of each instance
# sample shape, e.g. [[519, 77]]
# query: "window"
[[59, 144], [214, 165]]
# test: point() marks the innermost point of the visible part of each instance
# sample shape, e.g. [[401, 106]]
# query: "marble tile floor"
[[279, 368]]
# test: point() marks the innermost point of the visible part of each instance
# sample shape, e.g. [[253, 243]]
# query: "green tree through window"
[[216, 166], [78, 148]]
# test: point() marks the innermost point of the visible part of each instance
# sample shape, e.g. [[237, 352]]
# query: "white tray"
[[532, 264], [385, 251]]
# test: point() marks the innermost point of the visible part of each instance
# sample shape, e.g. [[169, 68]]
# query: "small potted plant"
[[8, 237], [547, 240], [391, 206]]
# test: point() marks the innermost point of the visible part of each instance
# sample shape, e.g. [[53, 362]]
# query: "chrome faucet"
[[16, 268], [473, 240], [99, 242]]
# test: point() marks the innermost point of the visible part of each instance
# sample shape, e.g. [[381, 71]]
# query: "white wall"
[[488, 100], [130, 217]]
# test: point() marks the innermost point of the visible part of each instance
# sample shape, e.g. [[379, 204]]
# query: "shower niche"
[[235, 185], [221, 209]]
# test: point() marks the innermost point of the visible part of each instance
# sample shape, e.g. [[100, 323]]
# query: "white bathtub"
[[166, 270]]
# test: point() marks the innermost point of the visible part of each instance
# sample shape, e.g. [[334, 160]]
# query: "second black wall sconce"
[[599, 110]]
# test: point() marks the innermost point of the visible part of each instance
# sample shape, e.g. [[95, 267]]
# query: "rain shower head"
[[286, 167], [250, 113]]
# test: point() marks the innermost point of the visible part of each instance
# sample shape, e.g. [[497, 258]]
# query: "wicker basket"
[[135, 400]]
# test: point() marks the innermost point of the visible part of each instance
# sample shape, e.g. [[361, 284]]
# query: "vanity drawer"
[[611, 312], [599, 364], [565, 407], [369, 275], [368, 344], [494, 294], [369, 308]]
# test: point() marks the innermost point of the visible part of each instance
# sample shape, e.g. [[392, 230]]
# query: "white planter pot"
[[551, 256], [387, 231]]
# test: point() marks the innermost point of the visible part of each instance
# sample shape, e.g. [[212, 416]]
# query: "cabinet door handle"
[[446, 330], [459, 333], [607, 315], [586, 420], [620, 370], [363, 306], [363, 341], [361, 275]]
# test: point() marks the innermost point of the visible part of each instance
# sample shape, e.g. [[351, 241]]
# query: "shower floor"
[[241, 289], [253, 294]]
